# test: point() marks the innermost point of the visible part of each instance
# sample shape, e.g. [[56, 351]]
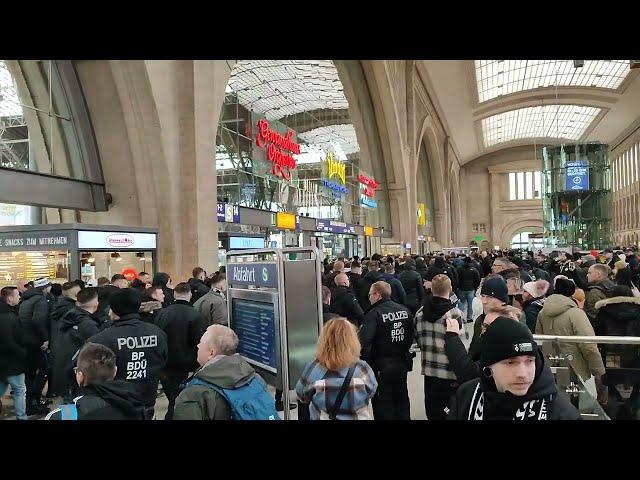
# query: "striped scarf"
[[529, 410]]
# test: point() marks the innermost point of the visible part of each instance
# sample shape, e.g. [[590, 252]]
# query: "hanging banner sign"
[[335, 187], [277, 145], [422, 217], [368, 231], [577, 175], [335, 227]]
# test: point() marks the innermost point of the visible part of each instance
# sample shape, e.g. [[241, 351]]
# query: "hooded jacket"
[[184, 326], [561, 316], [367, 280], [112, 400], [61, 307], [594, 293], [213, 307], [75, 328], [478, 399], [34, 317], [440, 267], [431, 326], [13, 356], [421, 268], [412, 284], [141, 353], [198, 402], [345, 304], [531, 310], [198, 289], [618, 316], [469, 278], [104, 294]]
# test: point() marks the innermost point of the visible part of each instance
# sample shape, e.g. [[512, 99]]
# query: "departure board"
[[254, 323]]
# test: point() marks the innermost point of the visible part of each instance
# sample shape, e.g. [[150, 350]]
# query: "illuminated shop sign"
[[336, 168], [228, 213], [335, 227], [277, 145], [368, 231], [286, 221], [369, 187], [116, 240], [335, 187]]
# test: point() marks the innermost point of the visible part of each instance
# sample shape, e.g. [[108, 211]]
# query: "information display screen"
[[254, 323]]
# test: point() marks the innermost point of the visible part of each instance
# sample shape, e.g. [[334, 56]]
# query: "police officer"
[[386, 337], [140, 347]]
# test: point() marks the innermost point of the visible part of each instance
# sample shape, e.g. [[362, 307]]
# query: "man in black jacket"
[[398, 294], [76, 326], [13, 356], [184, 326], [34, 320], [104, 293], [327, 314], [469, 283], [344, 302], [140, 348], [163, 280], [386, 337], [198, 287], [412, 283], [516, 382], [372, 276], [101, 397]]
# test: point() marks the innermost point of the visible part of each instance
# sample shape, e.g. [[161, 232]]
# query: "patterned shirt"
[[319, 388], [430, 339]]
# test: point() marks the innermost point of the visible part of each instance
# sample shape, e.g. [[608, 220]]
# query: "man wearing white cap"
[[34, 319]]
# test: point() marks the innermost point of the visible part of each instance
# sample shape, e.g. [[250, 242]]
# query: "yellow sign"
[[368, 231], [286, 220], [336, 168], [422, 218]]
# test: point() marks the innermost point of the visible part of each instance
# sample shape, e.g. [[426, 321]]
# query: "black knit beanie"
[[564, 287], [125, 301], [506, 338]]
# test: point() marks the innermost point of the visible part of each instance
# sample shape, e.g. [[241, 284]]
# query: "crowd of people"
[[102, 352]]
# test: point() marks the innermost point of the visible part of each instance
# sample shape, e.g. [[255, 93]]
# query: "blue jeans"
[[466, 297], [18, 392]]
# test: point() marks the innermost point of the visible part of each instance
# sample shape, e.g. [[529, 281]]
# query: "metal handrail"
[[588, 339]]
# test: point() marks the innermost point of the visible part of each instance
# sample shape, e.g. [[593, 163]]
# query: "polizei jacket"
[[387, 332], [141, 353]]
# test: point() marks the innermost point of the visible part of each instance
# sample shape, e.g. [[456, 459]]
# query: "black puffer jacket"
[[345, 304], [198, 289], [441, 267], [76, 327], [62, 306], [13, 356], [34, 317], [184, 326], [412, 284], [112, 400], [104, 294], [469, 278], [479, 398], [619, 316]]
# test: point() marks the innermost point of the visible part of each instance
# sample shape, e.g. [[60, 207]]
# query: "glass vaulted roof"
[[502, 77], [547, 121], [9, 100], [341, 137], [277, 88]]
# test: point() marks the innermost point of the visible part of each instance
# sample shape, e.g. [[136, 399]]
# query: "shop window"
[[30, 265]]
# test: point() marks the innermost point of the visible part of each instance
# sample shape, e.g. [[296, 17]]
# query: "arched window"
[[521, 240]]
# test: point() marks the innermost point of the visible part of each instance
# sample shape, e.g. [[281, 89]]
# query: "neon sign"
[[370, 185], [336, 168], [276, 145]]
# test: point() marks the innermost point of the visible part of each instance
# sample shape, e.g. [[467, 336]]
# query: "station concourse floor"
[[414, 383]]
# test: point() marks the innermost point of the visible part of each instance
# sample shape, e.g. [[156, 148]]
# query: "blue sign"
[[577, 176], [245, 242], [336, 187], [368, 202], [335, 227], [258, 274], [228, 213], [254, 323]]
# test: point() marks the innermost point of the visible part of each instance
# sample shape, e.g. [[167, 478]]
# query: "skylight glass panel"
[[9, 100], [548, 121], [277, 88], [495, 78], [341, 138]]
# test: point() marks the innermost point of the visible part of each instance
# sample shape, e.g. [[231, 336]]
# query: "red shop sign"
[[370, 185], [277, 145]]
